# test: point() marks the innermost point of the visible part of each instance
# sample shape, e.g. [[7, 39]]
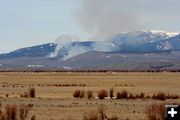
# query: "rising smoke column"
[[66, 47], [102, 19], [105, 18]]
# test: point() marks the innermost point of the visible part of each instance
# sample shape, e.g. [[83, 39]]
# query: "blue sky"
[[32, 22]]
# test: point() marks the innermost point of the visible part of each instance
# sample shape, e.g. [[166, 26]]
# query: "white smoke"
[[65, 42], [104, 46], [105, 18], [74, 51]]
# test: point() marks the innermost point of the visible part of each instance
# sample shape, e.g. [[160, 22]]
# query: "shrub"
[[131, 96], [32, 93], [111, 93], [101, 111], [2, 116], [148, 97], [23, 111], [89, 94], [10, 112], [82, 94], [30, 105], [155, 112], [118, 95], [90, 116], [160, 96], [168, 96], [102, 94], [25, 95], [113, 118], [173, 96], [124, 94], [7, 95], [100, 114], [76, 94], [141, 95], [33, 117], [79, 94]]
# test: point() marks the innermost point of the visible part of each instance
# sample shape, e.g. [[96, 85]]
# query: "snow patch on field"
[[35, 66], [108, 56], [68, 68]]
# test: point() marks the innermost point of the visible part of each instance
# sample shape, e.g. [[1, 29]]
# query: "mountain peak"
[[169, 34], [160, 33]]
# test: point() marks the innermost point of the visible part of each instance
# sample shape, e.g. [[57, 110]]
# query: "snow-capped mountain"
[[138, 41], [132, 48], [35, 51], [141, 37]]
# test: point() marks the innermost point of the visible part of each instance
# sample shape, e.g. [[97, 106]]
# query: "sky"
[[26, 23]]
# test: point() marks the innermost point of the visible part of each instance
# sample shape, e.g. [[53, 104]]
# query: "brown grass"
[[25, 95], [99, 114], [113, 118], [63, 85], [101, 111], [52, 99], [23, 111], [102, 94], [155, 112], [90, 116], [33, 117], [12, 112]]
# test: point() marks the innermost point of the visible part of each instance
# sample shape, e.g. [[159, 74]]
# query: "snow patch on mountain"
[[129, 41], [169, 34], [137, 41], [165, 46]]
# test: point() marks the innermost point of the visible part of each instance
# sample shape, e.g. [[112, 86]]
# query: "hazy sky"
[[32, 22]]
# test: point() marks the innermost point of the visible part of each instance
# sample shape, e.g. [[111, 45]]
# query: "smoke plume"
[[104, 18], [66, 48]]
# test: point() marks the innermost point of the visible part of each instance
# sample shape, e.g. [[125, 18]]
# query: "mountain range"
[[139, 50]]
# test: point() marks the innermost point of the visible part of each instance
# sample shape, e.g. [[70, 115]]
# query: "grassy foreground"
[[54, 93]]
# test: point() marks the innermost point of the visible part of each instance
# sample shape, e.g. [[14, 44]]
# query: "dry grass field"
[[54, 93]]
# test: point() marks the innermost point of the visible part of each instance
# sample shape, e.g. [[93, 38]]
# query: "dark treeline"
[[85, 71]]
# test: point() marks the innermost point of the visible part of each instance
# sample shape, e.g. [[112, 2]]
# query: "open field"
[[54, 92]]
